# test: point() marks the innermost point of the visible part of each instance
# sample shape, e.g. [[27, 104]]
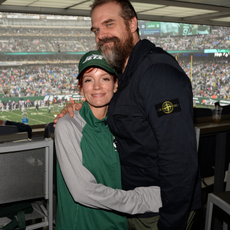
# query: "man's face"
[[113, 36]]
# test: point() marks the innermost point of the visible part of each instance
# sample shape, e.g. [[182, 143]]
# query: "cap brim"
[[94, 66]]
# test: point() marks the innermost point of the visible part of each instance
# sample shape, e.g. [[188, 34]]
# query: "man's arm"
[[83, 185], [167, 100]]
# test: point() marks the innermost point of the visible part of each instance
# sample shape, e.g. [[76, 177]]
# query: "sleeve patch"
[[168, 107]]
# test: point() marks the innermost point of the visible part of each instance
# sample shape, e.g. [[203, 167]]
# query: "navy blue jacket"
[[151, 117]]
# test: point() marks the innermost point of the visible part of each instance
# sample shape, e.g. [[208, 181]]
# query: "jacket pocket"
[[124, 111], [128, 119]]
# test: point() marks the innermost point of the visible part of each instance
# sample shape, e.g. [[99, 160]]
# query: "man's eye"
[[95, 31]]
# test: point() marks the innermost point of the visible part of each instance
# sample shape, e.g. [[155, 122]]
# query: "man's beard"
[[118, 53]]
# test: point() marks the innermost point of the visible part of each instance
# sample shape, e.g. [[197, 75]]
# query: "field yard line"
[[41, 122], [32, 107], [4, 117], [43, 111], [44, 115]]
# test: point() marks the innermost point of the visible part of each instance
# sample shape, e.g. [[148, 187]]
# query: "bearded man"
[[151, 117]]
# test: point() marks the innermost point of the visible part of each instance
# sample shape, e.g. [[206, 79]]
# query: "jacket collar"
[[137, 55], [90, 119]]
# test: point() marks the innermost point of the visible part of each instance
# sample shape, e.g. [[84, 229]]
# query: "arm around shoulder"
[[83, 185]]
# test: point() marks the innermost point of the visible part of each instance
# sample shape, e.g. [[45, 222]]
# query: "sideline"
[[40, 122]]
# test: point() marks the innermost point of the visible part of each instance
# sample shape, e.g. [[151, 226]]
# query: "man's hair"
[[127, 10]]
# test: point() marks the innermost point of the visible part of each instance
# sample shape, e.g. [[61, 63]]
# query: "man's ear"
[[133, 24]]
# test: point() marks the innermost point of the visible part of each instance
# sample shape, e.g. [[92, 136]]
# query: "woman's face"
[[98, 88]]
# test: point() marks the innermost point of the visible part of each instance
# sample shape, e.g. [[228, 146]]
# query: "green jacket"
[[88, 164]]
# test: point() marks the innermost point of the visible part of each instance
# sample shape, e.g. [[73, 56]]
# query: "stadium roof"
[[205, 12]]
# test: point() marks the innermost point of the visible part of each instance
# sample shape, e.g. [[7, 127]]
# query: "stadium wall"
[[71, 97], [202, 101], [206, 101], [16, 99]]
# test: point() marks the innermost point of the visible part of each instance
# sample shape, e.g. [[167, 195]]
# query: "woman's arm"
[[83, 185]]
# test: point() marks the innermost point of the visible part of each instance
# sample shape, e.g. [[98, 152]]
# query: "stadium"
[[39, 57]]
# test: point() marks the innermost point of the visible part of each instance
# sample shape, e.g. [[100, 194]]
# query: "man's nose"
[[102, 34]]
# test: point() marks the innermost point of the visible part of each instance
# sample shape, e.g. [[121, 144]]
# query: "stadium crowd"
[[219, 38], [78, 40], [37, 80], [210, 78], [47, 44], [48, 74]]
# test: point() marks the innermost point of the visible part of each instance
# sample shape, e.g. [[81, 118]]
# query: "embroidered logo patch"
[[93, 56], [168, 107]]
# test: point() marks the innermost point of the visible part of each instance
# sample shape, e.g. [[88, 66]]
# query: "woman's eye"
[[87, 80], [106, 79]]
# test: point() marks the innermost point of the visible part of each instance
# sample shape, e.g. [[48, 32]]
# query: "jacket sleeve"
[[166, 98], [83, 185]]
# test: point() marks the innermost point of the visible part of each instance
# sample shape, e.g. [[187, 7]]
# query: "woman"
[[88, 179]]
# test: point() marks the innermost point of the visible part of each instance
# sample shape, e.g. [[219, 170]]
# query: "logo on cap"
[[93, 56]]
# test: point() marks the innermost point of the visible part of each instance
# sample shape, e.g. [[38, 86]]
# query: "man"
[[151, 117]]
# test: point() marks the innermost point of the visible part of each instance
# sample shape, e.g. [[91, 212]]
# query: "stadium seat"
[[22, 136], [49, 130], [14, 127], [8, 129], [221, 200], [226, 110]]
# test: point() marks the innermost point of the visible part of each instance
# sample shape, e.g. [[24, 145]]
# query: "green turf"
[[35, 117]]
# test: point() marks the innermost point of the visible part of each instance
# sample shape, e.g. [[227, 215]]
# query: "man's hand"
[[69, 108]]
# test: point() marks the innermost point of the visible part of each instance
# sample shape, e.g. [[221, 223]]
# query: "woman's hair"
[[80, 80], [127, 10]]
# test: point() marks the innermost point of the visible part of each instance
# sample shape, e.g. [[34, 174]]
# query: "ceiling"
[[205, 12]]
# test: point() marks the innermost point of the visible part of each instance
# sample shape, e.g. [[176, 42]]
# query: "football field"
[[42, 116]]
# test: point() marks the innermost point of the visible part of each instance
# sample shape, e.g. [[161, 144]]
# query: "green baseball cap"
[[94, 59]]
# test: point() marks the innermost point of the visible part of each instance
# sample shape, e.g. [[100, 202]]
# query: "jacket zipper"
[[124, 116], [105, 137]]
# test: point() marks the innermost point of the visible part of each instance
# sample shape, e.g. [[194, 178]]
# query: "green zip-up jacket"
[[89, 179]]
